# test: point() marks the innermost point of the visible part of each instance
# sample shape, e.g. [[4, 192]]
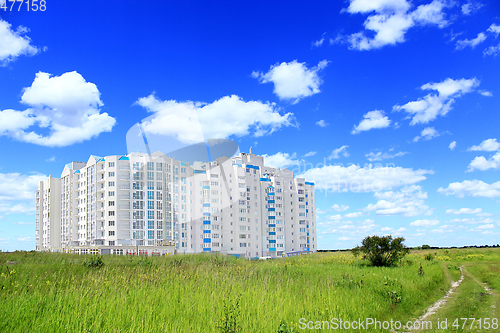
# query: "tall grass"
[[187, 293]]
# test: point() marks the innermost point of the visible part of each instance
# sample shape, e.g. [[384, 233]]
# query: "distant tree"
[[382, 251], [426, 247]]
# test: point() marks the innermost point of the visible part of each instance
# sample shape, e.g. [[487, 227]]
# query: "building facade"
[[232, 205]]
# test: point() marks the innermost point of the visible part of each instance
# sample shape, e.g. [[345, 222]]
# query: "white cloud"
[[481, 163], [463, 211], [461, 44], [293, 80], [486, 145], [192, 122], [318, 42], [14, 43], [337, 178], [24, 223], [341, 208], [409, 201], [452, 145], [309, 154], [67, 105], [472, 188], [336, 217], [433, 105], [321, 123], [353, 215], [427, 134], [470, 7], [391, 19], [51, 159], [485, 93], [372, 119], [386, 229], [17, 192], [424, 223], [339, 151], [492, 50], [486, 226], [280, 160], [379, 156], [494, 29]]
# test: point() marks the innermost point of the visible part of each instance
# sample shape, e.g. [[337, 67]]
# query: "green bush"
[[382, 251], [95, 261]]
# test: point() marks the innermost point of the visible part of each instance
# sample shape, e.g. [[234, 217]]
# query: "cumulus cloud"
[[293, 80], [17, 192], [485, 93], [463, 211], [336, 153], [340, 208], [472, 43], [66, 105], [427, 134], [408, 201], [481, 163], [321, 123], [428, 108], [389, 20], [192, 122], [452, 145], [494, 29], [379, 156], [14, 43], [424, 223], [353, 215], [472, 188], [470, 7], [311, 153], [281, 160], [492, 50], [372, 119], [486, 145], [337, 178]]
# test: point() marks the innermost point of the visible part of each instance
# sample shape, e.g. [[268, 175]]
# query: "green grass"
[[187, 293]]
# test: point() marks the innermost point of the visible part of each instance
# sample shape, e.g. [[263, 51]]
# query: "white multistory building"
[[232, 205]]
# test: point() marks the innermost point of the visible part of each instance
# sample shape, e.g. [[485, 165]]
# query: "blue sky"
[[390, 106]]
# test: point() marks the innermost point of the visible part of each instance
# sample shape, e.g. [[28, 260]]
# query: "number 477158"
[[485, 323], [28, 5]]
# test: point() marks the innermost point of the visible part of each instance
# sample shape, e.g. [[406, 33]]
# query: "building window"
[[151, 234], [111, 213], [111, 243], [159, 234], [151, 214], [111, 203], [111, 164], [111, 184], [111, 174], [151, 205], [151, 224], [150, 165], [111, 193], [159, 225], [111, 233], [111, 223]]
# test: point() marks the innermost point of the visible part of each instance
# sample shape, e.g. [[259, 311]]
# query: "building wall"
[[231, 205]]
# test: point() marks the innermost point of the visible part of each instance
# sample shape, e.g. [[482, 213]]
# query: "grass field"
[[47, 292]]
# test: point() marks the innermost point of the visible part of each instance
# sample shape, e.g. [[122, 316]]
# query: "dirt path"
[[438, 304]]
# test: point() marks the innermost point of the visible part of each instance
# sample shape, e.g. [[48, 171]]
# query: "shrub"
[[429, 256], [94, 261], [382, 251], [425, 247]]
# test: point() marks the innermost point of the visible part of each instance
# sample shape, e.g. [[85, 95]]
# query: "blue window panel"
[[270, 201], [199, 171], [307, 203], [207, 240], [271, 217], [307, 210], [272, 241], [206, 214], [307, 226], [272, 226], [206, 249], [206, 205], [206, 187], [307, 242], [265, 179], [270, 193], [271, 233], [307, 234], [207, 231], [306, 195], [273, 249], [206, 222], [310, 183], [271, 209], [252, 167]]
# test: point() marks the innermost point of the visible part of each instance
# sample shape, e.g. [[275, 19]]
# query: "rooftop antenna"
[[250, 150]]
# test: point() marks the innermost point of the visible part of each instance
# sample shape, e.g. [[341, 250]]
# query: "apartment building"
[[232, 205]]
